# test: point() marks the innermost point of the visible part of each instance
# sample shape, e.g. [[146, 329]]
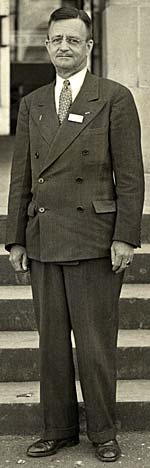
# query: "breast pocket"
[[95, 140], [96, 130]]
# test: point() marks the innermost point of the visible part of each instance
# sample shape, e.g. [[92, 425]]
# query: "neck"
[[64, 74], [68, 73]]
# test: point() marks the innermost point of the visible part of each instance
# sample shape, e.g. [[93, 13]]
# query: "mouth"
[[64, 56]]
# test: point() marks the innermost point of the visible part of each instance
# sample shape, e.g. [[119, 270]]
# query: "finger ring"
[[128, 263]]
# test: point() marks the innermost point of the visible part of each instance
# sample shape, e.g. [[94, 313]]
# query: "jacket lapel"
[[44, 114], [88, 103]]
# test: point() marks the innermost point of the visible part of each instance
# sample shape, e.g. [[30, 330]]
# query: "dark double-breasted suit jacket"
[[76, 187]]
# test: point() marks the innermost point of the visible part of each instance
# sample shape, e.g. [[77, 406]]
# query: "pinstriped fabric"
[[65, 100], [64, 301]]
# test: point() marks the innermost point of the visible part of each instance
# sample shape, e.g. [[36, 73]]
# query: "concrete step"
[[134, 306], [19, 355], [20, 408], [16, 307], [138, 272]]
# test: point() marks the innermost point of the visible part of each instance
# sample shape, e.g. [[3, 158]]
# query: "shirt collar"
[[74, 79]]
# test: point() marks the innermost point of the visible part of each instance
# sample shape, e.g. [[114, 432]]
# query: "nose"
[[64, 44]]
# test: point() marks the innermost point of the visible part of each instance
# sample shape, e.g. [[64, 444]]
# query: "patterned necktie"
[[65, 100]]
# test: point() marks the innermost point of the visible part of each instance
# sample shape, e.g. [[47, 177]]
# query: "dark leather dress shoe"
[[108, 452], [43, 448]]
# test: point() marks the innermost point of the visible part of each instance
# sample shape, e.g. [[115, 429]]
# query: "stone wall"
[[4, 69], [126, 56]]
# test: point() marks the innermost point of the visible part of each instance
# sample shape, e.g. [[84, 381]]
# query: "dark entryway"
[[30, 67]]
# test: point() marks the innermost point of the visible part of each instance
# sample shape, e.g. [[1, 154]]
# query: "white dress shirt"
[[76, 81]]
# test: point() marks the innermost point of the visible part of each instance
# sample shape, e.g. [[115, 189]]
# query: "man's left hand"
[[121, 256]]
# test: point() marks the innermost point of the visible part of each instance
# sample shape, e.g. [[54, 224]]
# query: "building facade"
[[121, 52], [4, 67]]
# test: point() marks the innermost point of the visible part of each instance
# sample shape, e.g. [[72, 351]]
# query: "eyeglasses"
[[71, 41]]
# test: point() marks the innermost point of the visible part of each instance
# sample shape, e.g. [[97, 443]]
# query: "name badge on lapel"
[[76, 118]]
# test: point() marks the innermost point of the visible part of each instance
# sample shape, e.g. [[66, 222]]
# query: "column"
[[4, 68], [126, 57]]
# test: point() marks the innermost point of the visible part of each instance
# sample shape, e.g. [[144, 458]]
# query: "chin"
[[64, 60], [64, 64]]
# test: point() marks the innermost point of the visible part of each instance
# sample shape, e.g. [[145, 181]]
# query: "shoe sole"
[[108, 459], [54, 451]]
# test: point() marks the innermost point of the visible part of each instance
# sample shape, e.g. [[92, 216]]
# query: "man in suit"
[[75, 208]]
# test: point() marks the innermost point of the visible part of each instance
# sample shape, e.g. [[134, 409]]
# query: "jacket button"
[[79, 180], [41, 180], [36, 155], [41, 210], [80, 208], [85, 152]]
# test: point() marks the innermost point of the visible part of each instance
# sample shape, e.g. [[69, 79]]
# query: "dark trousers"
[[83, 298]]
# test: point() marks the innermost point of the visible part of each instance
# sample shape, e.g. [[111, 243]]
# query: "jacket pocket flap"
[[104, 206], [31, 209]]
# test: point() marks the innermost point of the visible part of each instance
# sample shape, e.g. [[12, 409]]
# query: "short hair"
[[70, 13]]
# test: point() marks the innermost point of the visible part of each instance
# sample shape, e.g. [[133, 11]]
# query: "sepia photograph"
[[75, 233]]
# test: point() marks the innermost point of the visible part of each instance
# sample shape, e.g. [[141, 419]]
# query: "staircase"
[[19, 370]]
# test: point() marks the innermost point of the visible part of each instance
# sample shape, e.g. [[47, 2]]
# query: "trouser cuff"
[[58, 434], [102, 437]]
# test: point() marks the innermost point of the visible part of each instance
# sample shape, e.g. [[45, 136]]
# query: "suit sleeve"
[[20, 186], [125, 142]]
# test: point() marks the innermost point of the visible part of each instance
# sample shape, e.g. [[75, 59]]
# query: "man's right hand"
[[18, 258]]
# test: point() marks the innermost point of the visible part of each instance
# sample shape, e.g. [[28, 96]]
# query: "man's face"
[[68, 47]]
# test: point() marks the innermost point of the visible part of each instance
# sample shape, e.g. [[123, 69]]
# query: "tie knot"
[[66, 84]]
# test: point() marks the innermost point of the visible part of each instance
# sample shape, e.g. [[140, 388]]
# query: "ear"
[[89, 46], [47, 47]]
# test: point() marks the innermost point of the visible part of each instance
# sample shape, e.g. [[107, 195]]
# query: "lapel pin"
[[40, 118]]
